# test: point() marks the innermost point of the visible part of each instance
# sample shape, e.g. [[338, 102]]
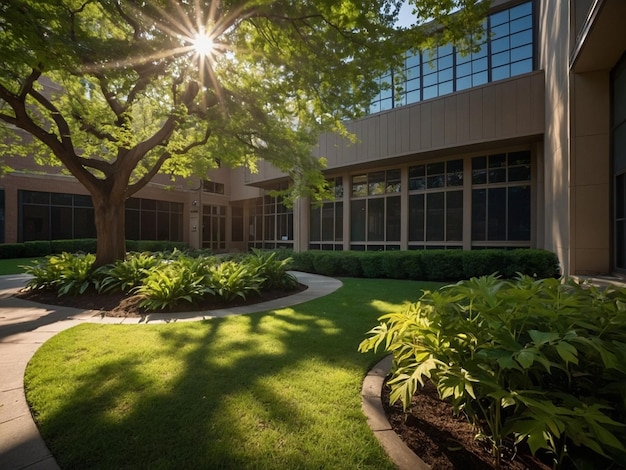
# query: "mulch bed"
[[445, 441], [118, 304]]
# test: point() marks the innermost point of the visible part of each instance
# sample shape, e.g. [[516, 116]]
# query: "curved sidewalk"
[[24, 326]]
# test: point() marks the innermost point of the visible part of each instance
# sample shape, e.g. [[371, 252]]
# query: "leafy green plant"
[[538, 360], [66, 273], [230, 279], [173, 281], [126, 274], [272, 269]]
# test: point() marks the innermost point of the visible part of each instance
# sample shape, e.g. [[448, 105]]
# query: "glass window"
[[479, 214], [359, 185], [416, 217], [315, 224], [357, 220], [519, 213], [435, 216], [148, 224], [393, 221], [376, 183], [454, 216], [132, 225], [417, 177], [496, 214], [500, 73], [376, 219], [237, 223], [499, 18], [508, 39], [61, 199], [328, 218], [84, 226], [521, 67], [339, 221], [393, 181], [82, 201], [61, 222], [521, 10]]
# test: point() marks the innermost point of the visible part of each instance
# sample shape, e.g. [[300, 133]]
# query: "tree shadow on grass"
[[253, 391]]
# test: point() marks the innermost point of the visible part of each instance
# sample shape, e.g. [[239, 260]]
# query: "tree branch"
[[134, 155], [145, 179]]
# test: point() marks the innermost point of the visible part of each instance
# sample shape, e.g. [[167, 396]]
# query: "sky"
[[406, 18]]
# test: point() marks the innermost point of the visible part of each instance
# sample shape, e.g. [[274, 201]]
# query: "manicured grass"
[[12, 265], [272, 390]]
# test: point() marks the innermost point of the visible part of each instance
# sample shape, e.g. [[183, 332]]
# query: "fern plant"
[[230, 279], [166, 285], [126, 274], [272, 269], [66, 273]]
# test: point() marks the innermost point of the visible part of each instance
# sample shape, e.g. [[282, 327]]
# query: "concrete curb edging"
[[372, 406]]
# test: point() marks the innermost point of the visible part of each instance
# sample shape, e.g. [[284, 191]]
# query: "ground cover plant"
[[164, 280], [278, 389], [535, 361]]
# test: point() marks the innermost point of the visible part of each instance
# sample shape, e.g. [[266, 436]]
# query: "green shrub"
[[327, 263], [303, 261], [126, 274], [12, 250], [536, 360], [350, 263], [230, 279], [371, 264], [444, 265], [429, 265], [271, 269], [173, 281], [393, 265], [37, 248], [485, 262], [413, 265], [66, 273]]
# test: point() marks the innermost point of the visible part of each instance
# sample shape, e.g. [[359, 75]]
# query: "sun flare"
[[203, 44]]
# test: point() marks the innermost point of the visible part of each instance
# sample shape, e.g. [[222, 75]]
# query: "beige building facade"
[[519, 145]]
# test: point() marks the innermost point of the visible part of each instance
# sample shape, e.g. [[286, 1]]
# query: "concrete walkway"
[[24, 326]]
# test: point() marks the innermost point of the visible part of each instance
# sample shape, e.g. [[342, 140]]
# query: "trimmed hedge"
[[39, 248], [429, 265]]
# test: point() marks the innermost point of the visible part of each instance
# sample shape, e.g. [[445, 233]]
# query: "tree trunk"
[[110, 222]]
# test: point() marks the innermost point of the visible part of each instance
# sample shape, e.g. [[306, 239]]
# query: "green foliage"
[[272, 269], [432, 265], [172, 281], [539, 360], [138, 100], [40, 248], [66, 273], [11, 250], [230, 279], [126, 274], [37, 248]]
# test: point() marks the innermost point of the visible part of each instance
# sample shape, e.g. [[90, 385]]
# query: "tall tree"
[[173, 86]]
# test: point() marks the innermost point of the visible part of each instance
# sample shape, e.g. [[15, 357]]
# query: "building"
[[522, 144]]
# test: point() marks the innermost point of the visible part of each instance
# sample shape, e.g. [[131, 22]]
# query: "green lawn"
[[12, 265], [272, 390]]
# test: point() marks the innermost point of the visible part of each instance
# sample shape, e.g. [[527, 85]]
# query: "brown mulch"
[[445, 441], [118, 304]]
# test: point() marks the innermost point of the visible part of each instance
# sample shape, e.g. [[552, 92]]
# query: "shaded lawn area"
[[14, 265], [277, 389]]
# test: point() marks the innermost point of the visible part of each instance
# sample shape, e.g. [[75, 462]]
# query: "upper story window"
[[507, 51], [213, 187]]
